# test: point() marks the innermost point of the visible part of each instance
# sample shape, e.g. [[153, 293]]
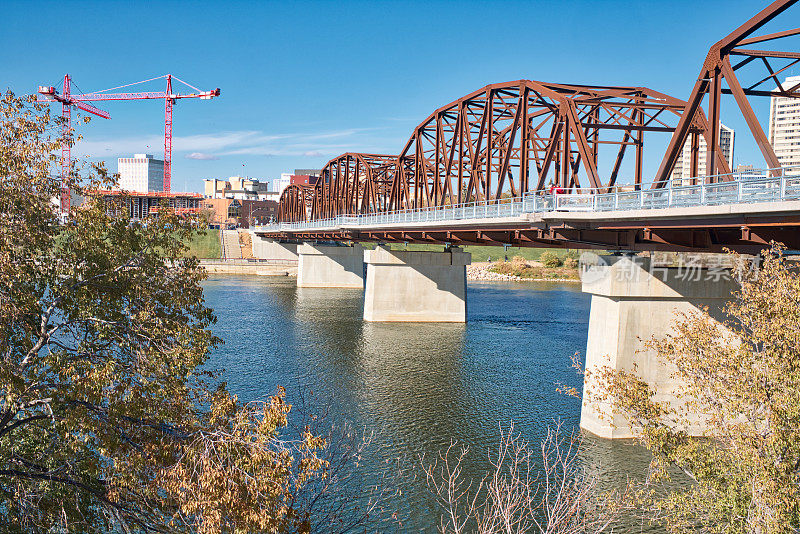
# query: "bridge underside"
[[705, 231]]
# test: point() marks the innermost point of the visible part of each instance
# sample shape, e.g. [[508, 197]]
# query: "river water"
[[415, 386]]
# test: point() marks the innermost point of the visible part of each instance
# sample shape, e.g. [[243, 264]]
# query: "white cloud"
[[245, 143], [201, 156]]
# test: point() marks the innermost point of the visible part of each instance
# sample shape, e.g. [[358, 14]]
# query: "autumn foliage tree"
[[107, 421], [743, 377]]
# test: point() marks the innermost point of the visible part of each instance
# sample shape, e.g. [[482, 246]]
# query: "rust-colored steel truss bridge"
[[507, 140], [501, 141]]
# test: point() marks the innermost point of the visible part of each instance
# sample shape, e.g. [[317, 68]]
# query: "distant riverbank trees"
[[108, 422]]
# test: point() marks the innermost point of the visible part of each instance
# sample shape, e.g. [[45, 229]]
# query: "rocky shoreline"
[[479, 272]]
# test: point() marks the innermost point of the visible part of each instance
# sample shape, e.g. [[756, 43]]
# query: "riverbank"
[[476, 272], [488, 271], [251, 267]]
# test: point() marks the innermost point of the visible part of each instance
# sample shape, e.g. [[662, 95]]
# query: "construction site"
[[147, 195]]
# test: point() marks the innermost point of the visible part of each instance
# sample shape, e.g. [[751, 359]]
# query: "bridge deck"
[[744, 215]]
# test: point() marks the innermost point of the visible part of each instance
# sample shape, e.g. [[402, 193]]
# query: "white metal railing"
[[748, 187]]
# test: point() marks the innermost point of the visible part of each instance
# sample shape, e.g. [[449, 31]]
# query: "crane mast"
[[83, 102]]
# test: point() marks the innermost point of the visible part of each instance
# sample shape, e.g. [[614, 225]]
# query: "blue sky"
[[304, 81]]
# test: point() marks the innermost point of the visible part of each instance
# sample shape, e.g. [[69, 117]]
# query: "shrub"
[[742, 377], [502, 267], [550, 259], [527, 488], [570, 263], [518, 263]]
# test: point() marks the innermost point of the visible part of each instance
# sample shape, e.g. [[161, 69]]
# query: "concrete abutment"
[[416, 286], [269, 249], [330, 266], [632, 303]]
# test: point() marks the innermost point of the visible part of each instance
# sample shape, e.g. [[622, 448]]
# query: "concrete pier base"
[[409, 286], [330, 266], [632, 303], [267, 249]]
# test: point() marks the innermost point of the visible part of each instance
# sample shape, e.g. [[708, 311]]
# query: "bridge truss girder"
[[717, 70], [509, 139], [354, 183], [296, 203], [503, 140], [513, 138]]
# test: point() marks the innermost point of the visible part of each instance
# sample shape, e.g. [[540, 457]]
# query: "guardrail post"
[[703, 193], [739, 191], [783, 186]]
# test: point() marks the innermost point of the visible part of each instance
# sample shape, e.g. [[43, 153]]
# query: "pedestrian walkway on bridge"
[[742, 211]]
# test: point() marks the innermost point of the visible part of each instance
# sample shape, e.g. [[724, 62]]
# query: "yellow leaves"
[[236, 474], [129, 412], [744, 376]]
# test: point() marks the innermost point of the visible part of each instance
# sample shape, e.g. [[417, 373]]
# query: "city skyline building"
[[784, 126], [239, 188], [683, 166], [141, 174], [279, 184]]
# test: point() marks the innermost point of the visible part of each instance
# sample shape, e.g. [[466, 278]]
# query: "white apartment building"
[[279, 184], [141, 173], [683, 167], [784, 126]]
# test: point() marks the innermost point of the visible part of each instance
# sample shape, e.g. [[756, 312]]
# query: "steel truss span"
[[502, 141], [506, 142]]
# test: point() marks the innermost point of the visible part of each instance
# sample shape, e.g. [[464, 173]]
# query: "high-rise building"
[[683, 167], [279, 184], [307, 172], [141, 173], [784, 126], [747, 170]]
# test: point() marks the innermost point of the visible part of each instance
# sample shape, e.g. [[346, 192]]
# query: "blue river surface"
[[416, 386]]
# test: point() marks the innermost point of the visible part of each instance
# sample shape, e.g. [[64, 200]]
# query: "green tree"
[[107, 422], [550, 259], [743, 376]]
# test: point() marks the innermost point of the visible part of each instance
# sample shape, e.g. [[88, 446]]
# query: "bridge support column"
[[330, 266], [268, 249], [411, 286], [632, 303]]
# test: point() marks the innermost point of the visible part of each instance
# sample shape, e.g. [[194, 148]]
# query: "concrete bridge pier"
[[330, 266], [416, 286], [632, 303], [269, 249]]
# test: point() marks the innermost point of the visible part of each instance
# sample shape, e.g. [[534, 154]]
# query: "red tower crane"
[[82, 101]]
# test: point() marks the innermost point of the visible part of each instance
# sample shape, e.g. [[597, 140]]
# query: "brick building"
[[241, 213]]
